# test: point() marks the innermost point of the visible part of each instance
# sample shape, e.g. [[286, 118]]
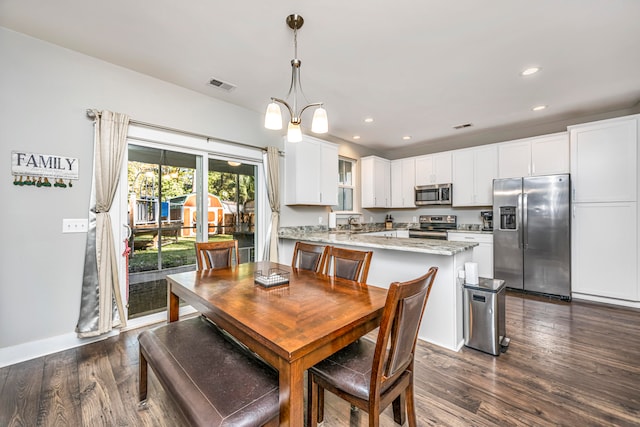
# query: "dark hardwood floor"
[[573, 364]]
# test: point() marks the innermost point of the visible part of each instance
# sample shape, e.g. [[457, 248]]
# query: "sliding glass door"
[[162, 199], [164, 202]]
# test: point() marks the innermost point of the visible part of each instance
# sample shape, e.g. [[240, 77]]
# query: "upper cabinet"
[[543, 155], [473, 172], [403, 180], [604, 159], [434, 169], [375, 182], [311, 172]]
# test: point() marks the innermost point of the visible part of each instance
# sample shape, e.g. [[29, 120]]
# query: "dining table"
[[292, 326]]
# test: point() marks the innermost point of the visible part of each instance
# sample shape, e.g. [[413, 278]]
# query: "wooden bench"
[[213, 381]]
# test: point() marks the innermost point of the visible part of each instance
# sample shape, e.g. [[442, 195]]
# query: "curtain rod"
[[91, 113]]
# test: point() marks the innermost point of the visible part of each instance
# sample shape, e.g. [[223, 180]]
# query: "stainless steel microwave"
[[437, 194]]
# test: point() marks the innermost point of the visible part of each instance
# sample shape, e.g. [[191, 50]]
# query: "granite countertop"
[[428, 246]]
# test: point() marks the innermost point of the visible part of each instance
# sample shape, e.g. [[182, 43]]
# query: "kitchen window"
[[346, 187]]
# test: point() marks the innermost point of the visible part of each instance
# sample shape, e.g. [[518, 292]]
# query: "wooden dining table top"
[[292, 326]]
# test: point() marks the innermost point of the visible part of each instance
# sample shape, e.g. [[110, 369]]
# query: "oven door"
[[424, 234]]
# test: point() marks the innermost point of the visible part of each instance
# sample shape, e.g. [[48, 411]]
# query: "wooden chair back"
[[309, 257], [216, 254], [398, 333], [348, 263]]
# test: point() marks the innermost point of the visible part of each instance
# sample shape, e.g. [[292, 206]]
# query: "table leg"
[[291, 393], [173, 305]]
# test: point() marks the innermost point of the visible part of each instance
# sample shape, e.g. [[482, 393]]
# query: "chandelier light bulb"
[[294, 133], [320, 124], [273, 117]]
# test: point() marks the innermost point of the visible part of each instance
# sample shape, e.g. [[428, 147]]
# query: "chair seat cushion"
[[350, 368], [213, 381]]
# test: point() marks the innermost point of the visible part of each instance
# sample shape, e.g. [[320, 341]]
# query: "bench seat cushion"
[[213, 381]]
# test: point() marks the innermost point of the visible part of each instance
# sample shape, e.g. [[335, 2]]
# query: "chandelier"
[[273, 117]]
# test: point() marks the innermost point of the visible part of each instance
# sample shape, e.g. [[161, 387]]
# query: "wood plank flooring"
[[572, 364]]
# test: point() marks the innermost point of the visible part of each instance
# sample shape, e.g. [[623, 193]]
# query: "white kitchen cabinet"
[[311, 172], [403, 181], [433, 169], [375, 182], [605, 259], [541, 155], [604, 160], [473, 172], [482, 254]]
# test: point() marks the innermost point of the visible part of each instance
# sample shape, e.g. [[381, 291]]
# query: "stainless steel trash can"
[[484, 325]]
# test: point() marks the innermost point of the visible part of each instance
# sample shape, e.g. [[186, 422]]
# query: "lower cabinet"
[[604, 259], [482, 254]]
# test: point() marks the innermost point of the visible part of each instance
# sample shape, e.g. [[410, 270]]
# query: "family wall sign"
[[35, 169]]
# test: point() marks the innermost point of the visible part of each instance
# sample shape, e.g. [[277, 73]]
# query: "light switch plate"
[[70, 225]]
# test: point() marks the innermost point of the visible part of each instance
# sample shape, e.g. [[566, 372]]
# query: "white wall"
[[45, 92]]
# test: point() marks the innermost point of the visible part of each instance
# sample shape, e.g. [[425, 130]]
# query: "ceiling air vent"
[[222, 85], [462, 126]]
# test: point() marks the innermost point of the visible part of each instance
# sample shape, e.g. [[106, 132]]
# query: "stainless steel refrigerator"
[[532, 234]]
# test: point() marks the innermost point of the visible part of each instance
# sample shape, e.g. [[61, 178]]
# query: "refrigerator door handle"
[[519, 220], [525, 234]]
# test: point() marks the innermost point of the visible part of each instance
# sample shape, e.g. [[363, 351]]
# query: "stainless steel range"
[[434, 227]]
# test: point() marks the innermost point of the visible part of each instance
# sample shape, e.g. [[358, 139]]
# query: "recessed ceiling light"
[[406, 137], [529, 71], [539, 107], [356, 136], [368, 120]]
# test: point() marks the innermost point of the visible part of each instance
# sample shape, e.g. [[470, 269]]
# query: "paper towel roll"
[[332, 220], [471, 273]]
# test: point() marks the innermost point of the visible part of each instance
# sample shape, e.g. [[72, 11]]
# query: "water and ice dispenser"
[[508, 218]]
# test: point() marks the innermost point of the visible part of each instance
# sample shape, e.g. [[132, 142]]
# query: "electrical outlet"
[[75, 225], [320, 220], [371, 219], [414, 219]]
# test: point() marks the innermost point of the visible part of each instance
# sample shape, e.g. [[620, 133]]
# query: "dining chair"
[[348, 263], [309, 257], [216, 254], [371, 375]]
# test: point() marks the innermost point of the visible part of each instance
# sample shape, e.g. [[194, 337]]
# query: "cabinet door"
[[403, 177], [375, 182], [550, 155], [463, 177], [424, 170], [442, 165], [311, 172], [302, 171], [604, 161], [604, 260], [329, 175], [486, 169], [482, 254], [434, 169], [473, 172], [514, 159]]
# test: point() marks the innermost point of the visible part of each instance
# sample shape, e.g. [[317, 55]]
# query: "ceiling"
[[417, 67]]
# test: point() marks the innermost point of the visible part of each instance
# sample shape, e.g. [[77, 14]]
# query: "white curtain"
[[101, 307], [272, 171]]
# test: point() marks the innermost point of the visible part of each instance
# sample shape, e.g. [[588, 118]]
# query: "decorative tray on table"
[[274, 277]]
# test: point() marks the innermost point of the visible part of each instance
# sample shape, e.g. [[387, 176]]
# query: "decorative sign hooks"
[[37, 169]]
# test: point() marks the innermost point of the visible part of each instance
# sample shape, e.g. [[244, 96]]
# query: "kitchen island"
[[402, 259]]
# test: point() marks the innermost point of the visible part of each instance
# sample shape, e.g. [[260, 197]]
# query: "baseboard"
[[605, 300], [31, 350]]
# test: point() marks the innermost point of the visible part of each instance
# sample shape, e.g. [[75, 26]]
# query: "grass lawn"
[[174, 254]]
